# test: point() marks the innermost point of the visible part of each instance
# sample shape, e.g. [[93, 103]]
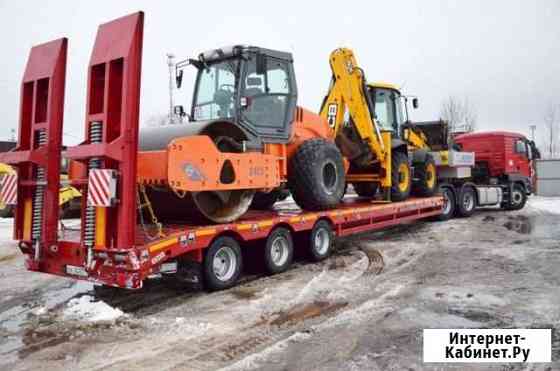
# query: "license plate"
[[170, 267], [76, 271]]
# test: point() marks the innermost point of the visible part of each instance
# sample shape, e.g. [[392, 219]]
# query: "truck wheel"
[[365, 189], [466, 202], [321, 241], [6, 211], [279, 251], [448, 204], [426, 185], [222, 264], [518, 198], [400, 177], [316, 175]]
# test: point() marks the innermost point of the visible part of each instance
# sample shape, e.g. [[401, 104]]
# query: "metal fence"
[[548, 178]]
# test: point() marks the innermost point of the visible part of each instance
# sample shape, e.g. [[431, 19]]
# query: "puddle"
[[540, 226], [303, 312]]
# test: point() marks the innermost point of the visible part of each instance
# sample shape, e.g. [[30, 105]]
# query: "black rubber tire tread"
[[460, 208], [269, 265], [447, 192], [211, 282], [509, 206], [7, 211], [312, 253], [366, 189], [305, 175], [420, 187], [397, 159]]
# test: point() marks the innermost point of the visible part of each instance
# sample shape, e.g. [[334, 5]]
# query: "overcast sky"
[[503, 55]]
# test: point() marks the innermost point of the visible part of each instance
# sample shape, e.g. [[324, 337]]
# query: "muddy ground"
[[362, 309]]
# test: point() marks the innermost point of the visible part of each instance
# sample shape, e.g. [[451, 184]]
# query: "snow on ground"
[[86, 309], [547, 204]]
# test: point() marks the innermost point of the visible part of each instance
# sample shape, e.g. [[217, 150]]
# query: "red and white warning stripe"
[[101, 187], [8, 189]]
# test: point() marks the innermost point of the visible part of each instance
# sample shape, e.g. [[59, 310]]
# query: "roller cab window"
[[266, 94]]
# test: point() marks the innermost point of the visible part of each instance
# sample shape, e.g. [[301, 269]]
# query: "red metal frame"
[[114, 100], [41, 109]]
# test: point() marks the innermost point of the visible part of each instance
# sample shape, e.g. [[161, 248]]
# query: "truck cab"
[[501, 157]]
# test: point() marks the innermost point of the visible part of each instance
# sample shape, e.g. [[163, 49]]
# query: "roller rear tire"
[[316, 175]]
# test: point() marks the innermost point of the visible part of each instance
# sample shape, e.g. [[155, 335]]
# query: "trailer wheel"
[[400, 177], [366, 189], [279, 251], [321, 241], [466, 202], [316, 175], [448, 204], [222, 263], [517, 199], [426, 185]]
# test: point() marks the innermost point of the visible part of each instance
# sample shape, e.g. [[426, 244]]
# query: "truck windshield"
[[215, 91]]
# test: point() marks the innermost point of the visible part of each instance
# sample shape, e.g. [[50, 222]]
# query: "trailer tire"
[[321, 241], [449, 204], [466, 201], [401, 179], [426, 173], [517, 199], [366, 189], [222, 264], [279, 251], [316, 175]]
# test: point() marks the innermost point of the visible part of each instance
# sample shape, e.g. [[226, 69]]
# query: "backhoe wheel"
[[401, 179], [466, 202], [222, 264], [279, 251], [316, 175], [365, 189], [321, 241], [426, 174]]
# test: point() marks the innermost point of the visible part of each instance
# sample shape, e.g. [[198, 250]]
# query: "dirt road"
[[364, 308]]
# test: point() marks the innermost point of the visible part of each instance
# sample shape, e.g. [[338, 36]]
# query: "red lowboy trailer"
[[113, 246]]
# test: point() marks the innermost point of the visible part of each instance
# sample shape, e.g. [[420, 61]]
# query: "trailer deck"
[[128, 268]]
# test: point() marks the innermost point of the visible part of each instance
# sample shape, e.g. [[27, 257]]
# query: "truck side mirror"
[[415, 103], [179, 79]]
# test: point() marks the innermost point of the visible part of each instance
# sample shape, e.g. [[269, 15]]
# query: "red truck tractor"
[[501, 173]]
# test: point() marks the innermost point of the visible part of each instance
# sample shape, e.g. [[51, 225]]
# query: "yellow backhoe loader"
[[384, 150]]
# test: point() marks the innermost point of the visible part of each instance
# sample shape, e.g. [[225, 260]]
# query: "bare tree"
[[552, 130], [460, 114]]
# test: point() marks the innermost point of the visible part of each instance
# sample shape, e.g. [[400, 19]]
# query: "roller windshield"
[[215, 91]]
